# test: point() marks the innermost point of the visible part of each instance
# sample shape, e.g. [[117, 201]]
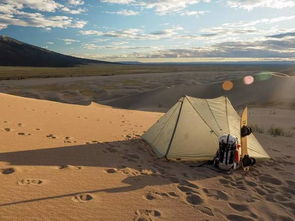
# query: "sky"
[[155, 30]]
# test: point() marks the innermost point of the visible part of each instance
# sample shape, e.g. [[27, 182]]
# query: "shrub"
[[277, 131], [256, 128]]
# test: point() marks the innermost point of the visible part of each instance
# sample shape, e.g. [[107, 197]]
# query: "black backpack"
[[226, 153]]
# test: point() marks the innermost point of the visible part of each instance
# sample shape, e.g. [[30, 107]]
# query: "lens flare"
[[248, 80], [262, 76], [227, 85]]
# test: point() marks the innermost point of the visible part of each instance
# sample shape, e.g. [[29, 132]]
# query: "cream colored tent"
[[190, 130]]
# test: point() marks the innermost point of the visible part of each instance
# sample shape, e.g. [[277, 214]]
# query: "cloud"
[[69, 41], [114, 46], [161, 7], [73, 11], [118, 1], [168, 6], [193, 13], [13, 13], [251, 4], [40, 5], [136, 33], [268, 48], [125, 12], [7, 6], [283, 35], [90, 46], [262, 27], [76, 2], [26, 19]]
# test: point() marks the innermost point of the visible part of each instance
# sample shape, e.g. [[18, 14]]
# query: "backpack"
[[228, 148]]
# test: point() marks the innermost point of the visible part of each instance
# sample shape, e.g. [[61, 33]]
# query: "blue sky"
[[155, 30]]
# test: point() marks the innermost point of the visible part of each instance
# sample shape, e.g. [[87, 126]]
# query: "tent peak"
[[216, 98]]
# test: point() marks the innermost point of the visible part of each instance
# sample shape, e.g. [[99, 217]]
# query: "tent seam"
[[226, 114], [172, 137]]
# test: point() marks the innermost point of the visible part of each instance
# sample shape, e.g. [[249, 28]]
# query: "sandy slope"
[[278, 91], [70, 162], [155, 92]]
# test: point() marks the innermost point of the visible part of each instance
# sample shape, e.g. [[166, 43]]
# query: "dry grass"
[[277, 131], [15, 73], [257, 129], [273, 131]]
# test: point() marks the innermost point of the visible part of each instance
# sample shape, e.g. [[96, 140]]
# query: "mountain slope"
[[17, 53]]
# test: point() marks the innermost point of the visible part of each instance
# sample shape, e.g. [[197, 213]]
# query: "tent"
[[191, 128]]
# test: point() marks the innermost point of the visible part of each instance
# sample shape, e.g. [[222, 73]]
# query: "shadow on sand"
[[133, 157]]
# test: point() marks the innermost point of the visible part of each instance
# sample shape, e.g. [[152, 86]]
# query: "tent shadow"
[[130, 155]]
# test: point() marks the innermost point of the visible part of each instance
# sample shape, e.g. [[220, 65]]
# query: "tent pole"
[[168, 149]]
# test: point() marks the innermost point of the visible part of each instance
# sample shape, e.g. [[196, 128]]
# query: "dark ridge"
[[17, 53]]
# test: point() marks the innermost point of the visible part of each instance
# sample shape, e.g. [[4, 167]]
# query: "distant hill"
[[17, 53]]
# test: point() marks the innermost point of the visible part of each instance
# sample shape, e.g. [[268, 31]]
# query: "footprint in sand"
[[243, 208], [7, 171], [217, 194], [239, 207], [231, 183], [250, 183], [268, 188], [82, 198], [7, 129], [206, 210], [173, 194], [260, 191], [62, 167], [269, 179], [186, 189], [159, 195], [226, 182], [23, 134], [129, 171], [187, 183], [30, 182], [146, 215], [111, 170], [234, 217], [194, 199], [51, 136], [69, 140]]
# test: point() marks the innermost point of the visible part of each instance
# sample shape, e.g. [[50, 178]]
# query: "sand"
[[157, 92], [72, 162]]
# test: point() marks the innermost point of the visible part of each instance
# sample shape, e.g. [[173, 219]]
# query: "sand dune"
[[155, 92], [277, 91], [70, 162]]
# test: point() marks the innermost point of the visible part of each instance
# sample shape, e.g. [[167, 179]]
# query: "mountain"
[[17, 53]]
